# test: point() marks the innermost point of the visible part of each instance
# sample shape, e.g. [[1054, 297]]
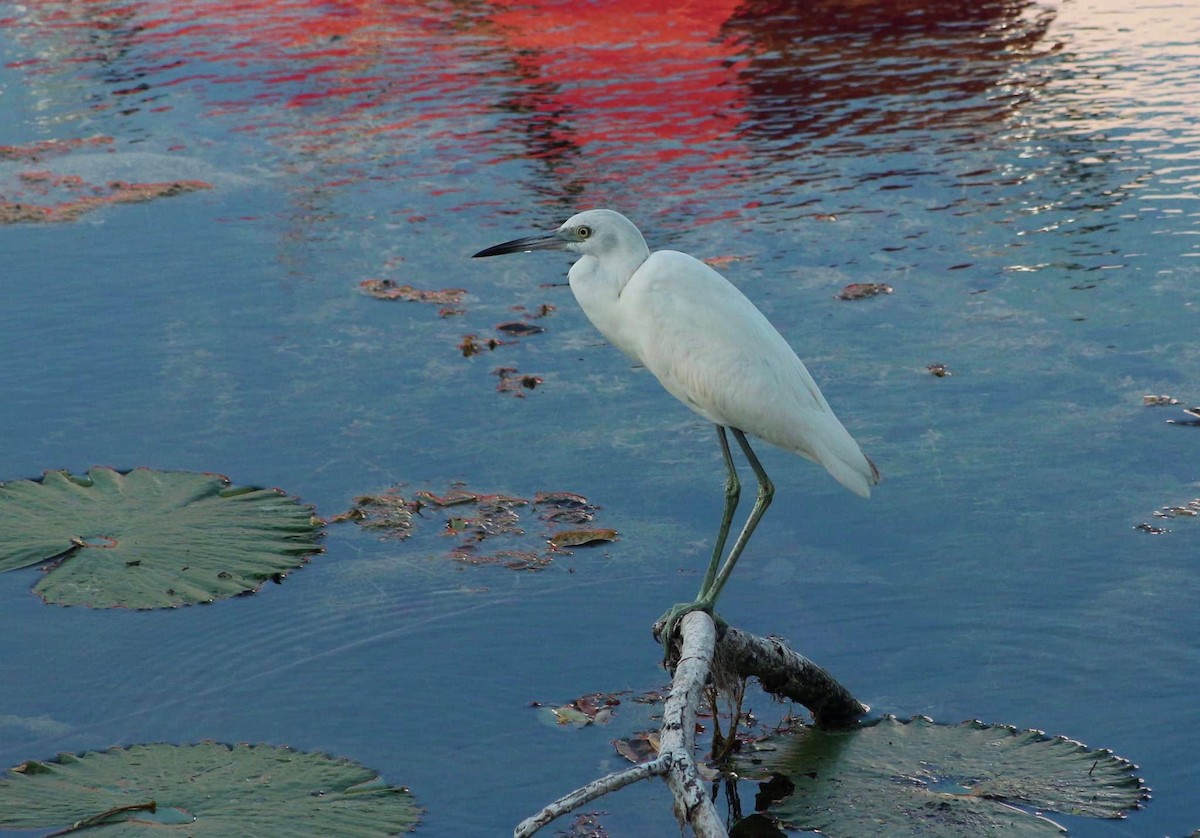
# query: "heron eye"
[[584, 231]]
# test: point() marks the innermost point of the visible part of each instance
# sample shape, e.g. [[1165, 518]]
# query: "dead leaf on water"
[[514, 382], [75, 196], [582, 538], [519, 328], [454, 497], [567, 715], [862, 290], [594, 708], [475, 519], [386, 511], [1189, 510], [640, 747], [475, 345], [565, 508], [47, 148], [389, 289], [719, 262], [1158, 401]]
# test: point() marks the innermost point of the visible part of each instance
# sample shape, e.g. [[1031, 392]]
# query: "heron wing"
[[716, 352]]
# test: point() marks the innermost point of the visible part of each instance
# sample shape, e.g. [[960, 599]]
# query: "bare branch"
[[582, 796], [692, 802], [788, 674], [778, 669]]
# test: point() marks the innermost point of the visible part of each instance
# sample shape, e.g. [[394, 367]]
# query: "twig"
[[582, 796]]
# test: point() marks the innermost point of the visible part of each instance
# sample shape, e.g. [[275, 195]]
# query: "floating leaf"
[[517, 328], [514, 383], [1190, 510], [79, 197], [580, 538], [565, 508], [721, 262], [150, 539], [640, 747], [457, 496], [1158, 401], [207, 790], [472, 345], [862, 290], [387, 511], [568, 715], [595, 708], [476, 520], [916, 777], [389, 289], [45, 148]]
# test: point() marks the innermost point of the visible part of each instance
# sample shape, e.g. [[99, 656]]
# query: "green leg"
[[733, 491], [715, 580], [766, 491]]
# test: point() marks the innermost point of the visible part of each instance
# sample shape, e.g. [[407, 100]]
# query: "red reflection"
[[626, 90], [681, 99]]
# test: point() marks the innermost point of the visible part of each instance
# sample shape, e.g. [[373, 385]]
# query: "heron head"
[[597, 232]]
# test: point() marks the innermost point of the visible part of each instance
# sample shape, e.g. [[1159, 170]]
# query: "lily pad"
[[151, 539], [207, 790], [916, 777]]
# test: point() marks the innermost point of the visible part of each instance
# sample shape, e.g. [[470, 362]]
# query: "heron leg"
[[714, 580], [766, 491], [733, 491]]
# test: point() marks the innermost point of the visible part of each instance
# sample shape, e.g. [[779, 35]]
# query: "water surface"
[[1024, 175]]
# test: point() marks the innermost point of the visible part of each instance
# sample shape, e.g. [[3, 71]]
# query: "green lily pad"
[[151, 539], [913, 777], [207, 790]]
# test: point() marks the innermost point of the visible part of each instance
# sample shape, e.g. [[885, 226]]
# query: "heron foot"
[[664, 626]]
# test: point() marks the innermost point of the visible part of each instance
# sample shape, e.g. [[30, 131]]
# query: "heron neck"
[[597, 287]]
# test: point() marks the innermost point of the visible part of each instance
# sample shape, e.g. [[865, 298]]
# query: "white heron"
[[712, 349]]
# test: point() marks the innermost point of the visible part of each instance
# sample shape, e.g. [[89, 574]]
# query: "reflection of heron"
[[714, 351]]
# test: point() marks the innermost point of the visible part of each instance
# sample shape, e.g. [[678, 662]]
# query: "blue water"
[[1024, 175]]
